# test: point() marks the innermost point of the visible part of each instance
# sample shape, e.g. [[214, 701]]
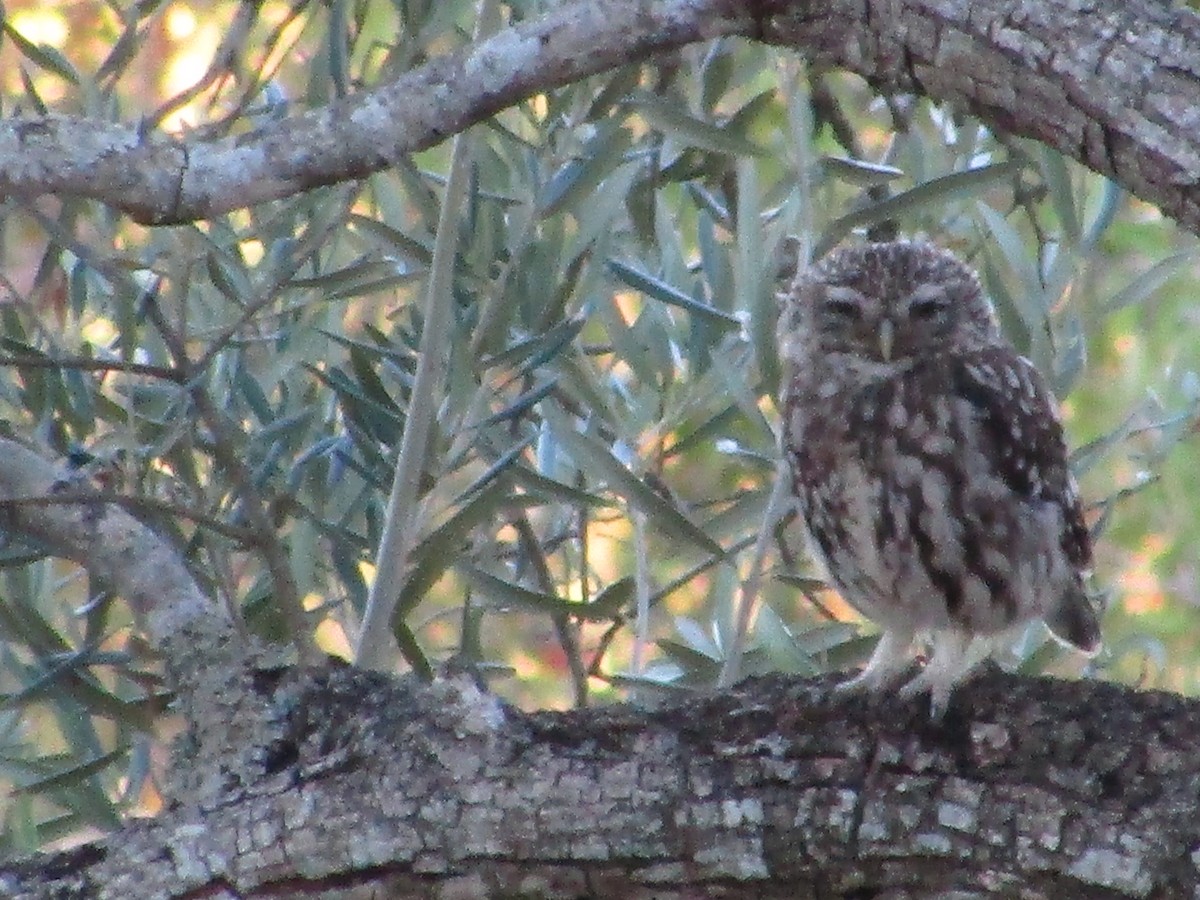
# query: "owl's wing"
[[1023, 440], [1023, 437]]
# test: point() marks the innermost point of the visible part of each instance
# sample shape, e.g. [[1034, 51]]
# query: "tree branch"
[[114, 546], [160, 180], [1112, 84], [772, 790], [1065, 790]]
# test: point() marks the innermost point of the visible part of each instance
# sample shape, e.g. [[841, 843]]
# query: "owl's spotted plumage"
[[928, 460]]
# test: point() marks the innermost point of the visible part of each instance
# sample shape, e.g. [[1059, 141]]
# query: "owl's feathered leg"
[[890, 660], [952, 656]]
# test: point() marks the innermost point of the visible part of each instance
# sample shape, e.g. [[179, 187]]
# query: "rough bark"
[[1115, 85], [375, 788]]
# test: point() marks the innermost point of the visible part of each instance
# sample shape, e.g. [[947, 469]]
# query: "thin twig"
[[224, 449], [568, 639], [87, 364], [641, 580], [135, 506], [752, 583], [375, 647]]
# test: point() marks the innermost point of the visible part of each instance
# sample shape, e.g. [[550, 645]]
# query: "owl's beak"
[[887, 336]]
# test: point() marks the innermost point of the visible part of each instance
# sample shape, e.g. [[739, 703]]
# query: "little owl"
[[928, 460]]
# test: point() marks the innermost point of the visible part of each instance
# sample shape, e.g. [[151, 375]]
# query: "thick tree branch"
[[118, 549], [1056, 789], [1115, 85], [160, 181], [210, 665]]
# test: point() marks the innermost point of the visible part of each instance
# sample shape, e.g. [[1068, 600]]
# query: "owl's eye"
[[927, 309], [841, 310]]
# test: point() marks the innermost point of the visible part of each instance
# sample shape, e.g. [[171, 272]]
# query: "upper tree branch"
[[160, 181], [1115, 85]]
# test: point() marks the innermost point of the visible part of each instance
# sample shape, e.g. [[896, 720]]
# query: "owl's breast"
[[917, 523], [843, 451]]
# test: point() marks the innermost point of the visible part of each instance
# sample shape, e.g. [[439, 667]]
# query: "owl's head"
[[890, 304]]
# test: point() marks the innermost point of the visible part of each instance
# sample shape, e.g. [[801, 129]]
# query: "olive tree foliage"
[[537, 364]]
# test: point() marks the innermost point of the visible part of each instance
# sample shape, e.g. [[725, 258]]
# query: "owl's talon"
[[855, 687], [889, 662], [873, 684], [939, 694], [954, 655]]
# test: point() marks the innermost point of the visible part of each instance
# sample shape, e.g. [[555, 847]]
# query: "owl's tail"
[[1075, 621]]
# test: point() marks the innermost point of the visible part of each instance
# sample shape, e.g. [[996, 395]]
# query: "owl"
[[928, 461]]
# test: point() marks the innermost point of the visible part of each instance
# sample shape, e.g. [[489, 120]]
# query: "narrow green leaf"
[[698, 666], [379, 421], [31, 91], [521, 404], [72, 775], [858, 171], [599, 462], [505, 594], [380, 349], [410, 649], [543, 486], [1031, 303], [672, 118], [414, 249], [956, 186], [533, 352], [613, 599], [358, 277], [42, 55], [803, 583], [698, 638], [1148, 282], [658, 289], [579, 178], [1109, 204], [228, 276], [822, 638], [437, 551], [500, 465], [1062, 195], [372, 387], [65, 677], [337, 47]]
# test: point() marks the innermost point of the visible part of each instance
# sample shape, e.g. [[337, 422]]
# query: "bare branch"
[[163, 180], [1112, 84]]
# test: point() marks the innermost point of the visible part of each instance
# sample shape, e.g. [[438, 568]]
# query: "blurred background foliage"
[[604, 449]]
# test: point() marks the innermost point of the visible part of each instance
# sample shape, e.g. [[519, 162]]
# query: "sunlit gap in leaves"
[[1140, 586]]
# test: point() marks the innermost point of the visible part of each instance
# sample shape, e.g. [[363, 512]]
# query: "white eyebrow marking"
[[927, 292], [841, 293]]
